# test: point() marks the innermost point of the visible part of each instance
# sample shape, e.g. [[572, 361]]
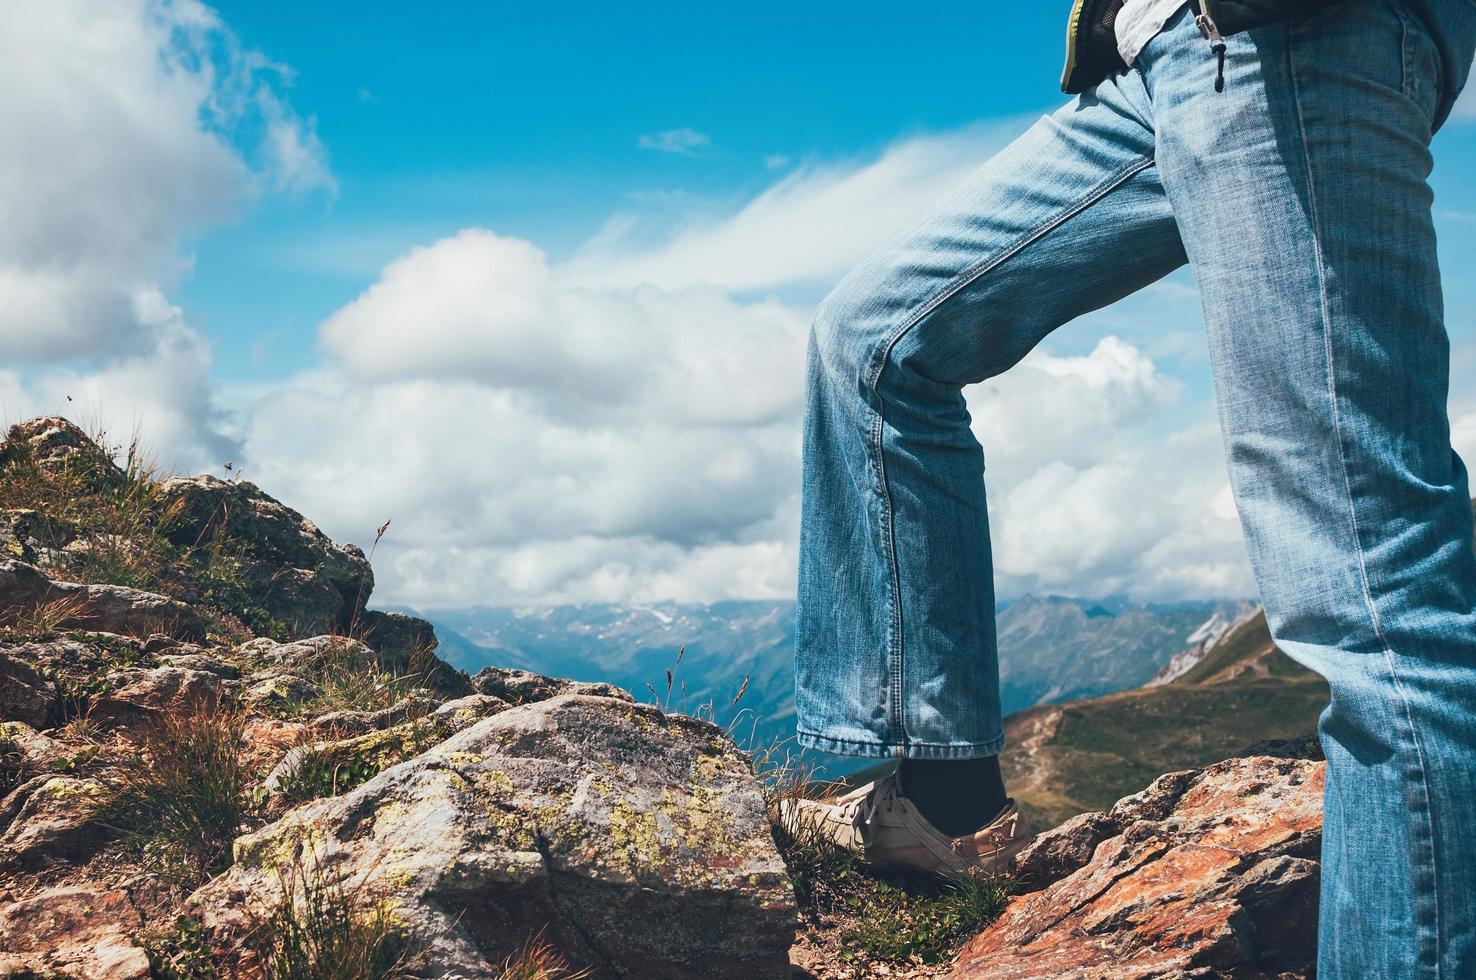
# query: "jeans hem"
[[904, 750]]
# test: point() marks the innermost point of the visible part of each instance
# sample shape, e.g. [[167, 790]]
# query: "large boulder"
[[1208, 873], [26, 591], [635, 842], [303, 580]]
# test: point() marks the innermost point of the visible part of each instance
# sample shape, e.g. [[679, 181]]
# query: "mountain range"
[[1051, 649]]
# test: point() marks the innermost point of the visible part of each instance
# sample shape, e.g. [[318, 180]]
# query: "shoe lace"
[[862, 809]]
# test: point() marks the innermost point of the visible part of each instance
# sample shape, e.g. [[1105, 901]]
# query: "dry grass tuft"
[[183, 804], [325, 927], [538, 961]]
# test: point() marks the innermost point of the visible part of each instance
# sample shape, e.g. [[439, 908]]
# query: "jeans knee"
[[841, 343]]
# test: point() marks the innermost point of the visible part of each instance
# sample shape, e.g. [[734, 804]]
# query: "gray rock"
[[50, 820], [347, 723], [524, 687], [400, 639], [56, 446], [103, 608], [277, 689], [203, 662], [30, 751], [148, 692], [329, 767], [29, 536], [25, 695], [636, 841], [303, 580]]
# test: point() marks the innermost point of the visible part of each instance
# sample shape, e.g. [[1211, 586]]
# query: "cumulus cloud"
[[539, 439], [683, 142], [129, 126]]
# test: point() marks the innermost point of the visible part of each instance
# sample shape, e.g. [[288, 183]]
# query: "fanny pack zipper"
[[1205, 21]]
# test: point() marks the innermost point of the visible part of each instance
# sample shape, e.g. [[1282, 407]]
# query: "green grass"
[[179, 950], [1109, 747]]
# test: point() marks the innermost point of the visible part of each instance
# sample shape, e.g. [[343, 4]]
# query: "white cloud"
[[810, 226], [129, 125], [536, 439], [683, 142], [1465, 107]]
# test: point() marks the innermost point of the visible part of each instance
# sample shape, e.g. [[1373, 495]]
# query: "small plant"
[[72, 699], [44, 619], [326, 928], [179, 951], [182, 806], [350, 677], [104, 512], [921, 918], [13, 766]]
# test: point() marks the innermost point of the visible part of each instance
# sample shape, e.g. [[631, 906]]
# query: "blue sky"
[[526, 119], [534, 281]]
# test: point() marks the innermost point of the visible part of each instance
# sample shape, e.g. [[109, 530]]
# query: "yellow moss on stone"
[[636, 834]]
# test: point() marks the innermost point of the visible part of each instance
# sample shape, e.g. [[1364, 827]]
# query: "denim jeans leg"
[[1302, 199], [895, 642]]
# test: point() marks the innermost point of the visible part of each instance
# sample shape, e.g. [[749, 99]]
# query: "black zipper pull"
[[1211, 33]]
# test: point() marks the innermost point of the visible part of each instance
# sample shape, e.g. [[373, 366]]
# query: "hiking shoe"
[[883, 828]]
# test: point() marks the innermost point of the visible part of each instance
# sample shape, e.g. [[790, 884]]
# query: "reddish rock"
[[1210, 873], [72, 932]]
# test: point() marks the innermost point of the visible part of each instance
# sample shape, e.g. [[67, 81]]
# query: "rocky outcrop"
[[635, 841], [148, 693], [1207, 873], [305, 582], [329, 768], [25, 590], [55, 446]]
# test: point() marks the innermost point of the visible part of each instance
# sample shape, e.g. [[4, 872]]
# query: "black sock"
[[957, 796]]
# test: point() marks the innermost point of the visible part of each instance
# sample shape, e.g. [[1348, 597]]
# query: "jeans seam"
[[995, 743], [1426, 825], [898, 723]]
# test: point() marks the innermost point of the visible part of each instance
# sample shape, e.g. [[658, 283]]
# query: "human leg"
[[1301, 195], [895, 643]]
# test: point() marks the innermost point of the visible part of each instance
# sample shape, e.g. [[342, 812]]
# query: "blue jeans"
[[1298, 195]]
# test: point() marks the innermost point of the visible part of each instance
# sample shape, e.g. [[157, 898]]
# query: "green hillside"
[[1084, 755]]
